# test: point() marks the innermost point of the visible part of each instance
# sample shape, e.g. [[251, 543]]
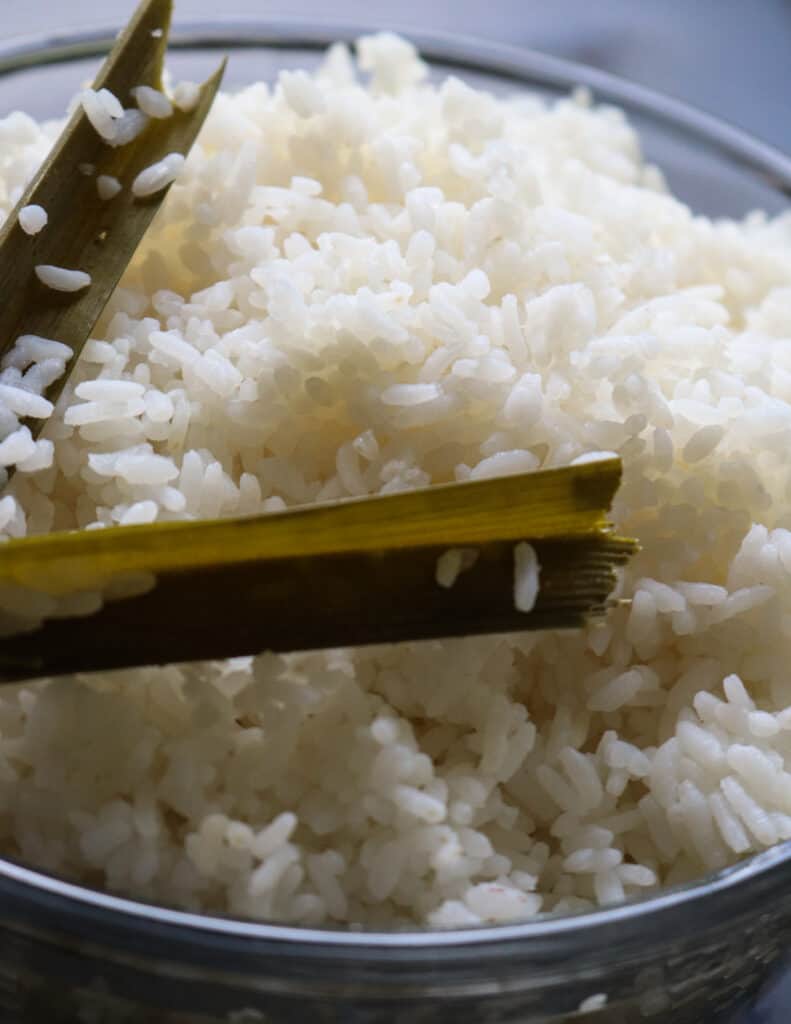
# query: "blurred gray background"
[[731, 57]]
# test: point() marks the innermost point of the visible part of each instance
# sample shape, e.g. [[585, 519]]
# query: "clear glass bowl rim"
[[735, 892]]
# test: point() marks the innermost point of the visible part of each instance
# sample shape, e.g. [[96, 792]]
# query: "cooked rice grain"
[[32, 219], [60, 279]]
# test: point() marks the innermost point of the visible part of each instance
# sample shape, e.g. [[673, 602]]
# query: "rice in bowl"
[[355, 289]]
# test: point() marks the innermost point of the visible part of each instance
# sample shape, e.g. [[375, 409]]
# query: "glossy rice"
[[360, 287]]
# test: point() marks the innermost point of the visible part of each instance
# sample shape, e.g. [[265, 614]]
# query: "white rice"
[[452, 563], [157, 176], [129, 126], [16, 447], [102, 109], [526, 577], [24, 403], [593, 1003], [32, 219], [152, 102], [363, 289], [30, 348], [60, 279], [107, 186], [26, 371], [185, 96]]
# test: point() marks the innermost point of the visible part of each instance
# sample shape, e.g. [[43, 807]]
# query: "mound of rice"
[[360, 288]]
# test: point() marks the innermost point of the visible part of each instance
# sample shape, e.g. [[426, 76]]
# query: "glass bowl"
[[688, 954]]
